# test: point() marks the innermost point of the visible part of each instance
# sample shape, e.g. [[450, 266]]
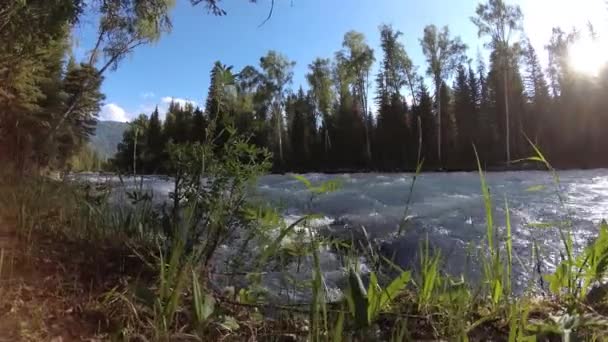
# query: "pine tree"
[[393, 137], [199, 126], [424, 111], [465, 115], [349, 143], [500, 21], [80, 125], [537, 93], [155, 144], [354, 62], [443, 54], [302, 131]]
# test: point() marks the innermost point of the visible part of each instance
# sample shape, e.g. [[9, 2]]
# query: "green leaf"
[[274, 246], [393, 289], [487, 200], [497, 293], [359, 298], [327, 187], [538, 159], [230, 323], [303, 180], [209, 306], [338, 328], [543, 224], [373, 297], [509, 246], [535, 188]]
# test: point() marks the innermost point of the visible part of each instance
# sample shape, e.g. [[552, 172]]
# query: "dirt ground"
[[42, 296]]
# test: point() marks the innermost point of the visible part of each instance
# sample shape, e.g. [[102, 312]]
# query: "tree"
[[213, 6], [500, 21], [31, 77], [130, 156], [537, 93], [219, 100], [355, 61], [423, 111], [84, 115], [393, 136], [302, 130], [443, 54], [46, 109], [462, 107], [252, 103], [155, 143], [278, 73], [199, 126], [124, 25], [319, 80]]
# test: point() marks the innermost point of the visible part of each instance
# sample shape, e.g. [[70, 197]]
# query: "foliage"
[[443, 54], [86, 160]]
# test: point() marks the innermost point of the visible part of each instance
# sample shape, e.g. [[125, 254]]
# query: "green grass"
[[175, 299]]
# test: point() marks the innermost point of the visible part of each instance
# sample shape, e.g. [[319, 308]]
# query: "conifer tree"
[[443, 54], [355, 61], [500, 21], [155, 144]]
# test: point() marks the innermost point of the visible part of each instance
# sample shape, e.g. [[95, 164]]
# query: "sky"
[[178, 66]]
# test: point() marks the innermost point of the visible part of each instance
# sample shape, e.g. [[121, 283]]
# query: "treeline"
[[49, 101], [497, 106]]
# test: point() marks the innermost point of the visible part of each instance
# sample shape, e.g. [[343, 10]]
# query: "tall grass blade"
[[338, 329], [509, 246], [487, 200]]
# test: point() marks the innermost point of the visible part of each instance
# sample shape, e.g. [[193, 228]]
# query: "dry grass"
[[42, 299]]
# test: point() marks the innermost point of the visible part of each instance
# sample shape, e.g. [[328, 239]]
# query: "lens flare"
[[588, 56]]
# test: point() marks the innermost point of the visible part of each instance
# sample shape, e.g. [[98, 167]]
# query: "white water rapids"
[[446, 207]]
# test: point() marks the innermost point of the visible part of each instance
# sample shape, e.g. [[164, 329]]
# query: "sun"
[[588, 56]]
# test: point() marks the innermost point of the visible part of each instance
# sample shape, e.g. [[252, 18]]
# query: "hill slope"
[[107, 136]]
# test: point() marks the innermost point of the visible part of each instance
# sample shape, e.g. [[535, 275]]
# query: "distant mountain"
[[107, 136]]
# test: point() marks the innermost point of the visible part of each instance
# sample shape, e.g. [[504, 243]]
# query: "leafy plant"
[[203, 303], [366, 305]]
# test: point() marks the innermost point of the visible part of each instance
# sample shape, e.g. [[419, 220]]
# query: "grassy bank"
[[128, 272]]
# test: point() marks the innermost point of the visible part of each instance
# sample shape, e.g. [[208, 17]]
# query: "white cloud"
[[181, 101], [148, 95], [113, 112]]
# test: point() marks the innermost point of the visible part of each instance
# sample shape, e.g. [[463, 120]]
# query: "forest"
[[434, 112], [502, 106], [97, 257]]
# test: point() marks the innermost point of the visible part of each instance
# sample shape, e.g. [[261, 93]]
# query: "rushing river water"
[[448, 209]]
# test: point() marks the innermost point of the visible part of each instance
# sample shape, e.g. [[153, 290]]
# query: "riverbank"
[[95, 278]]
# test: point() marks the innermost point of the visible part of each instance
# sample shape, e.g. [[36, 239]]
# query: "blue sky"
[[178, 65]]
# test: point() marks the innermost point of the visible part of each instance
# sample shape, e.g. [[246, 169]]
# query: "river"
[[445, 207]]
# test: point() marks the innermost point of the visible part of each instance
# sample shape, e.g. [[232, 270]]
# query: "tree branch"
[[269, 14]]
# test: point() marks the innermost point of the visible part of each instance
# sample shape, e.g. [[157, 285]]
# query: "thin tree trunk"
[[418, 119], [419, 126], [439, 125], [327, 142], [506, 96], [367, 128], [279, 135], [135, 153], [368, 149], [84, 85]]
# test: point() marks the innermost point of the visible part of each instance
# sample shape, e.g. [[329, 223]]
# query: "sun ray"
[[588, 56]]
